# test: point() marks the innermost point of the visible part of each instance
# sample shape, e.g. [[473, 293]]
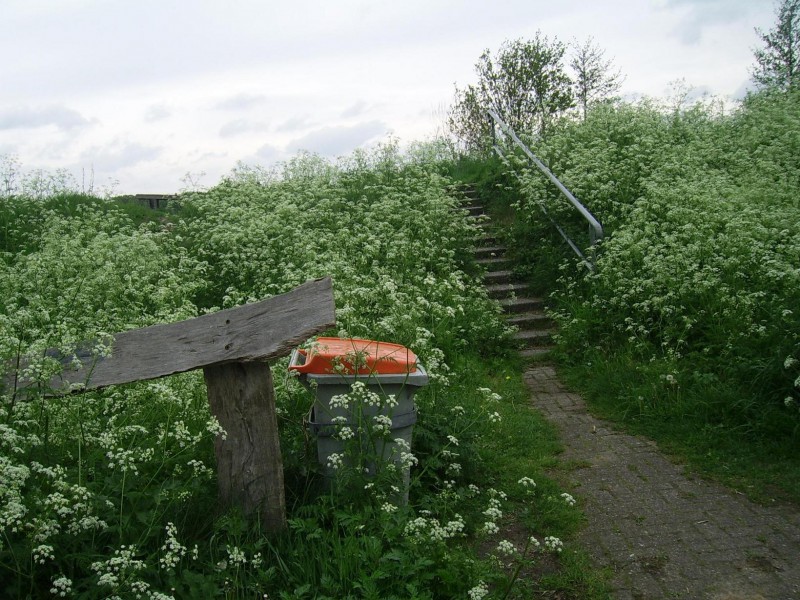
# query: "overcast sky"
[[145, 91]]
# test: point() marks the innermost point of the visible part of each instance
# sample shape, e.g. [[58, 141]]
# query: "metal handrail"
[[595, 228]]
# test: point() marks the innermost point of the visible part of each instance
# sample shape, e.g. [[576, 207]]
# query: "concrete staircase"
[[522, 308]]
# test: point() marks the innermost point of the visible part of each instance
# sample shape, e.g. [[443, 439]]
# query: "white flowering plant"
[[691, 309], [112, 493]]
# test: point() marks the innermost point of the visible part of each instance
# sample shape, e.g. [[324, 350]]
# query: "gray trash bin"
[[333, 366]]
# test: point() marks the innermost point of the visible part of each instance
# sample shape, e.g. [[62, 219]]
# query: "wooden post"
[[232, 347], [249, 464]]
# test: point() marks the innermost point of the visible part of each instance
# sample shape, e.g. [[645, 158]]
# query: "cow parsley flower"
[[61, 586], [506, 547], [335, 460], [553, 544], [479, 592]]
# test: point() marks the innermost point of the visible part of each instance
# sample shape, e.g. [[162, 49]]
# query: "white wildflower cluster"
[[61, 587], [489, 396], [345, 433], [493, 512], [172, 551], [568, 499], [341, 401], [506, 548], [181, 434], [403, 456], [408, 460], [381, 424], [126, 460], [428, 529], [453, 469], [236, 556], [335, 460], [528, 483], [12, 482], [388, 507], [121, 575], [67, 507], [365, 395], [479, 592], [42, 553], [553, 544], [200, 469]]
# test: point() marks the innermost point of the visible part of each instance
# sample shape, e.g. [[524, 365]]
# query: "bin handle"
[[297, 362]]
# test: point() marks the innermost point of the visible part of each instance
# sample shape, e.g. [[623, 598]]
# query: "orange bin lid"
[[372, 357]]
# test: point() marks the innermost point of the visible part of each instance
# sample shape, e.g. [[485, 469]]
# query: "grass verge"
[[753, 459], [526, 445]]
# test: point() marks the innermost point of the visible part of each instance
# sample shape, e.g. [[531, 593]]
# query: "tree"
[[595, 78], [777, 63], [524, 83]]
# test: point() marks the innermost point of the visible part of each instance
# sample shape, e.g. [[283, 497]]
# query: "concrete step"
[[474, 209], [535, 337], [494, 262], [501, 276], [504, 290], [486, 238], [521, 305], [531, 320], [535, 351], [489, 251]]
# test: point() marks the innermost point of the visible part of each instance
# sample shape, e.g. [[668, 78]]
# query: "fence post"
[[249, 464]]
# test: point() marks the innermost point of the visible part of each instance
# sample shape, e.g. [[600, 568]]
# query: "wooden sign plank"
[[253, 332]]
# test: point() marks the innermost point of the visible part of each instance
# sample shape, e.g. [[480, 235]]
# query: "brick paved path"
[[662, 534]]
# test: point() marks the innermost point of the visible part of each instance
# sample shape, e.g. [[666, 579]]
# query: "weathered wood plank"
[[253, 332], [249, 464]]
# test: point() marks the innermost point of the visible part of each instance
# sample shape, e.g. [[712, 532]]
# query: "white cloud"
[[241, 102], [699, 16], [157, 112], [30, 118], [354, 110], [335, 141], [295, 123], [268, 153], [119, 155], [241, 126]]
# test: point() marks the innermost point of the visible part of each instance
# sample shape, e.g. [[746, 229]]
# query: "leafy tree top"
[[777, 63]]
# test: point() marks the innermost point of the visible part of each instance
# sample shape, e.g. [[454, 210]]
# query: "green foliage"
[[778, 62], [111, 493], [524, 83], [697, 281], [373, 227], [595, 77]]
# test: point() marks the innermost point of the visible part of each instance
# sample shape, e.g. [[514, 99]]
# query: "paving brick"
[[663, 533]]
